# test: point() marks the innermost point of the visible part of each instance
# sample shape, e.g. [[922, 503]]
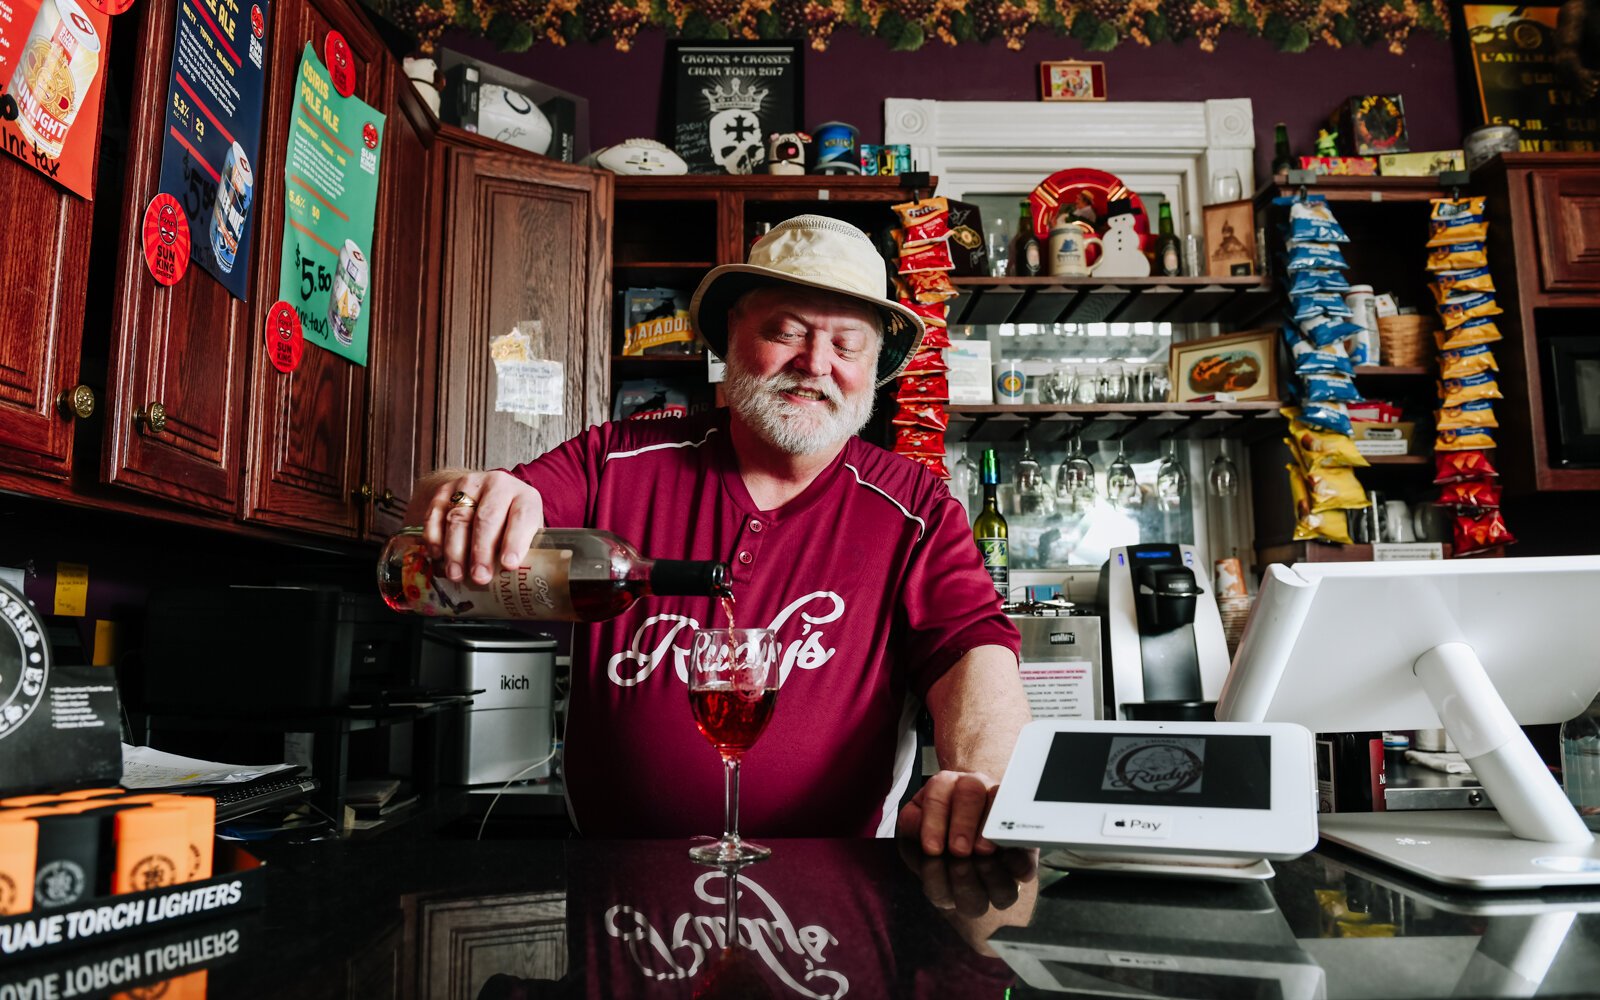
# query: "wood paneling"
[[183, 346], [1566, 207], [462, 942], [526, 238]]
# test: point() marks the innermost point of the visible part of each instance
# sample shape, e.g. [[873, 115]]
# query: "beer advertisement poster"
[[213, 130], [52, 60], [330, 200], [727, 97], [1516, 58]]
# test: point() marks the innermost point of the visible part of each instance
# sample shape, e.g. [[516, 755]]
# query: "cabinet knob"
[[77, 401], [391, 502], [362, 493], [153, 417]]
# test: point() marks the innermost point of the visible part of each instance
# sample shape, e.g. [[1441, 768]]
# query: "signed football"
[[639, 157]]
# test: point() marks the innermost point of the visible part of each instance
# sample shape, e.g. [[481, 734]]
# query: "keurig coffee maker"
[[1165, 654]]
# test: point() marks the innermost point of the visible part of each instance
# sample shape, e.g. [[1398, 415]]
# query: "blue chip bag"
[[1331, 389], [1311, 220], [1311, 304], [1323, 416], [1318, 280], [1323, 330], [1305, 256]]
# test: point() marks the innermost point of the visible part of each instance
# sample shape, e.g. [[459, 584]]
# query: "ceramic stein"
[[1068, 251]]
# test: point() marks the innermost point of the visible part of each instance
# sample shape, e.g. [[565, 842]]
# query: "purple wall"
[[850, 80]]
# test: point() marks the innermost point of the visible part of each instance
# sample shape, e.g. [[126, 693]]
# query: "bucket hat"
[[811, 251]]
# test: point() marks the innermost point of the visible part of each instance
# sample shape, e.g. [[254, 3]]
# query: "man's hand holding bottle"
[[476, 520]]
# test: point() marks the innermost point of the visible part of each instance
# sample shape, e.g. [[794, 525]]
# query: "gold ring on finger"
[[460, 499]]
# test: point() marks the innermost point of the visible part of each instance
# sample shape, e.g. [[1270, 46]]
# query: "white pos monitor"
[[1474, 646]]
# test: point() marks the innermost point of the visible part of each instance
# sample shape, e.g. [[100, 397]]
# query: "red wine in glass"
[[729, 719], [733, 688]]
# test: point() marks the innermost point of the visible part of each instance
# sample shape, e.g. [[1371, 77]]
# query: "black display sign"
[[1515, 79], [727, 98], [1153, 769]]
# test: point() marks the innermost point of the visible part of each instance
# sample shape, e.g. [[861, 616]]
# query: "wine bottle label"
[[997, 560], [537, 589], [1169, 260]]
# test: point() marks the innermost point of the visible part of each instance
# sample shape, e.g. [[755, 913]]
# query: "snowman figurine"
[[1120, 256]]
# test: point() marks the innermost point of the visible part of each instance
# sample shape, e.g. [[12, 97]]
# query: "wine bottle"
[[1282, 159], [1027, 259], [989, 529], [568, 574], [1168, 252]]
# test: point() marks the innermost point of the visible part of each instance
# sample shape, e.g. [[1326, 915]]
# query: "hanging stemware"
[[1223, 478], [1122, 487], [1172, 483], [1075, 478]]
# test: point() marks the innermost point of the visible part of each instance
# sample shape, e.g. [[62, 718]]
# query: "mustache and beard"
[[792, 428]]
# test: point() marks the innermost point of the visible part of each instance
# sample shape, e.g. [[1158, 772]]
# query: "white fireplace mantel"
[[1004, 147]]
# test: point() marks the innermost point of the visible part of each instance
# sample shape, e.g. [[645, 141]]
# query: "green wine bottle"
[[989, 529]]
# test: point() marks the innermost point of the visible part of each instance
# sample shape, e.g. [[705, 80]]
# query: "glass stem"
[[730, 799]]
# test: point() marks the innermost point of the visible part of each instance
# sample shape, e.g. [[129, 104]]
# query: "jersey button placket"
[[750, 542]]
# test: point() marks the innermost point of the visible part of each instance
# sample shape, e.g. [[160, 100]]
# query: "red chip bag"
[[923, 389], [928, 361], [935, 464], [1475, 493], [912, 441], [933, 313], [1484, 530], [1461, 467], [927, 287], [928, 257], [929, 415]]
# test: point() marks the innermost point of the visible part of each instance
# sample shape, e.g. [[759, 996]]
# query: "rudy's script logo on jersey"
[[804, 645], [796, 955], [1140, 764]]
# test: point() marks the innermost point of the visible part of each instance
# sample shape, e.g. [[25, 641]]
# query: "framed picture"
[[726, 98], [1230, 238], [1510, 74], [1072, 81], [1243, 364]]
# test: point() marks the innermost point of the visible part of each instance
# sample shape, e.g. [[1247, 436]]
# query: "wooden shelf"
[[1395, 371], [1377, 460], [1132, 422], [684, 275], [763, 187], [1357, 189], [1125, 300], [654, 362]]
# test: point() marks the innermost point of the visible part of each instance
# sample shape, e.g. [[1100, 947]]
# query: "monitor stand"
[[1534, 838], [1167, 866]]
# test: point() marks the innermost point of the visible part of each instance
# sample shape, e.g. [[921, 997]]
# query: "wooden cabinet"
[[46, 262], [1566, 209], [175, 386], [525, 238]]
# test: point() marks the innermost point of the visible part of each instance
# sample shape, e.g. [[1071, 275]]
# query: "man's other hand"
[[947, 814], [490, 529]]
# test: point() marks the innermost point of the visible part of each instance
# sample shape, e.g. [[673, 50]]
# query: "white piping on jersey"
[[922, 526], [658, 447]]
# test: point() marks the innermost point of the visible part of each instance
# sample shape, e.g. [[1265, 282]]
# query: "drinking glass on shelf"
[[1156, 384], [1113, 383], [733, 687], [997, 242], [1122, 486], [1056, 386], [1226, 186], [1172, 483], [1086, 385], [1223, 477], [1075, 478]]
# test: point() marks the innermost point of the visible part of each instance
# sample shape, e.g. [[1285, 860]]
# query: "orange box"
[[91, 793], [19, 842], [202, 812], [152, 848], [24, 801]]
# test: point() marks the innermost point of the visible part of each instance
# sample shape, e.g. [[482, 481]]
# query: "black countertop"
[[418, 914]]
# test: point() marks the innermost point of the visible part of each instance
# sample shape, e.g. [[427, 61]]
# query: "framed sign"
[[1072, 81], [726, 98], [1516, 72], [1244, 364], [1230, 238]]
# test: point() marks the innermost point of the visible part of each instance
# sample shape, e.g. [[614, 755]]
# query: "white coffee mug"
[[1010, 384], [1397, 522], [1068, 251]]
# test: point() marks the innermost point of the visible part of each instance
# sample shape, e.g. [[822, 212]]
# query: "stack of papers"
[[145, 769]]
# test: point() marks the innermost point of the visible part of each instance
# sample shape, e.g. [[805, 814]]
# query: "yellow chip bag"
[[1466, 362], [1310, 525], [1445, 209], [1469, 334], [1323, 449], [1475, 414], [1448, 283], [1458, 309], [1334, 489], [1467, 439], [1458, 391], [1457, 257]]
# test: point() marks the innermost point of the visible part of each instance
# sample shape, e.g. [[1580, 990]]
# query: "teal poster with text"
[[331, 196]]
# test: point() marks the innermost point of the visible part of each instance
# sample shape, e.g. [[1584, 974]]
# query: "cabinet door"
[[46, 264], [403, 368], [183, 346], [1567, 206], [304, 444], [527, 238]]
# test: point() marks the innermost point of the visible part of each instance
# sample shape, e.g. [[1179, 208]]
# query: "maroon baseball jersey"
[[870, 579]]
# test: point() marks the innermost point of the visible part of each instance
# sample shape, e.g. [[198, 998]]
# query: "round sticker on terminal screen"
[[286, 341], [341, 63], [111, 7], [166, 239]]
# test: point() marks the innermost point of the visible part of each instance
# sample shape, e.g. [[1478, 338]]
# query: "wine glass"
[[1122, 486], [733, 687], [1172, 483], [964, 479], [1075, 478], [1033, 494], [1226, 186], [1223, 477]]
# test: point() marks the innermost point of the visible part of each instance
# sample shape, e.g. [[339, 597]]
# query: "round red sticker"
[[111, 7], [369, 135], [341, 64], [258, 20], [166, 239], [285, 340]]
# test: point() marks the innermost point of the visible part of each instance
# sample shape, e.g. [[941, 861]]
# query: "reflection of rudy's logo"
[[1158, 767]]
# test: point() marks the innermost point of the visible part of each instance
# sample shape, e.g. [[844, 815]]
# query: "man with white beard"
[[859, 559]]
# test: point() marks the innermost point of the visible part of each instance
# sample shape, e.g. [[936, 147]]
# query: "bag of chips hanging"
[[926, 287], [1461, 229], [1323, 416], [1322, 388], [924, 221], [1461, 467], [1309, 305], [1311, 220], [1478, 413], [1309, 256], [1458, 309], [933, 256], [928, 361], [1457, 257], [1447, 283], [1467, 361], [916, 441], [934, 463], [1454, 208], [1309, 281], [1468, 439], [1479, 493], [1482, 530], [933, 314], [1320, 448], [935, 337], [930, 416], [1458, 391], [1329, 526], [1469, 334], [922, 389], [1326, 330]]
